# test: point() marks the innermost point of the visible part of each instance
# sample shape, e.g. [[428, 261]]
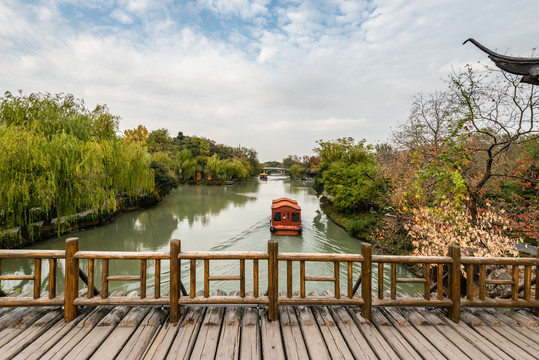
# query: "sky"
[[276, 76]]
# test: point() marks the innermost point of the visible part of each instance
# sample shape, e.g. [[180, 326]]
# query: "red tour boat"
[[285, 217]]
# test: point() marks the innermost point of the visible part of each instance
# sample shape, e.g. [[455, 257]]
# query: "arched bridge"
[[278, 170]]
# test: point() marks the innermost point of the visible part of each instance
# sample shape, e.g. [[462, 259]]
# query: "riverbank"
[[382, 232], [17, 238]]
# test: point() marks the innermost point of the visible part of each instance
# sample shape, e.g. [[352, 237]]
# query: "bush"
[[362, 225], [164, 181]]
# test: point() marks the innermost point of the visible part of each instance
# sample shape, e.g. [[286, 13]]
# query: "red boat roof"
[[277, 203]]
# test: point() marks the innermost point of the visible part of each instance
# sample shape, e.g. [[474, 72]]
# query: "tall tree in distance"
[[137, 135]]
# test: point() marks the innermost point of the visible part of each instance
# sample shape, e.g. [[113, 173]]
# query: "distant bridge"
[[279, 170]]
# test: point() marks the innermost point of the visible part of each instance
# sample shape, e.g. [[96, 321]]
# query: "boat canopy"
[[285, 202]]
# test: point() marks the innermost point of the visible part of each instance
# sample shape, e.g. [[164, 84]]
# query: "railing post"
[[366, 280], [536, 285], [37, 278], [454, 283], [175, 278], [71, 290], [273, 280]]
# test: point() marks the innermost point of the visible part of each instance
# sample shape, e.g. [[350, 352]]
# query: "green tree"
[[215, 166], [354, 188], [198, 147], [298, 171], [344, 149], [159, 140], [350, 176], [61, 158], [272, 163], [235, 169], [186, 165], [164, 180], [291, 160]]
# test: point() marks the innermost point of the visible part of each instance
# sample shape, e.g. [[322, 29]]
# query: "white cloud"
[[266, 53], [280, 79], [138, 5], [122, 16], [246, 9]]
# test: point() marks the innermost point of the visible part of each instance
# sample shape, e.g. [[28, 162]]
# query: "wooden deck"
[[244, 332]]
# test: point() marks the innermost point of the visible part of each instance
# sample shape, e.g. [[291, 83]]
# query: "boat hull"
[[286, 230]]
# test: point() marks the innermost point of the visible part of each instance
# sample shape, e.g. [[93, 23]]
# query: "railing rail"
[[435, 271]]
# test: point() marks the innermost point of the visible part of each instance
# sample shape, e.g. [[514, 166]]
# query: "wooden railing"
[[337, 259], [428, 263], [478, 265], [38, 256], [443, 267]]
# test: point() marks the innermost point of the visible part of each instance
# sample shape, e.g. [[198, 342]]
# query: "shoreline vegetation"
[[365, 227], [17, 238]]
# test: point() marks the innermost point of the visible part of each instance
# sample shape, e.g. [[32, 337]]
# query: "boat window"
[[284, 216], [295, 217], [276, 216]]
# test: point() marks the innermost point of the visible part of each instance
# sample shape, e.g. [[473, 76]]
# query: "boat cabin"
[[263, 176], [285, 217]]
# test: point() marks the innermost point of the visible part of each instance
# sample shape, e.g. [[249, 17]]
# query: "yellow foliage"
[[434, 229]]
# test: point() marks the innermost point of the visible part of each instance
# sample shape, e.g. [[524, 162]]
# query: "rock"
[[499, 290]]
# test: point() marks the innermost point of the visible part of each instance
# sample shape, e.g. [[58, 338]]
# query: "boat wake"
[[262, 224]]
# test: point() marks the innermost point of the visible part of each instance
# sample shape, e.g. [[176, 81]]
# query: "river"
[[214, 218]]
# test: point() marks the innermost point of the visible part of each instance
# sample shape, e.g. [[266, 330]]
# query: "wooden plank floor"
[[244, 333]]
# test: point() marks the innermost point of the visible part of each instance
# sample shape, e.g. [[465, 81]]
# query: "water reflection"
[[214, 218]]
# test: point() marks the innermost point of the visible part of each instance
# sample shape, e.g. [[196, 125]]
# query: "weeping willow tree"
[[186, 164], [215, 166], [235, 169], [59, 158]]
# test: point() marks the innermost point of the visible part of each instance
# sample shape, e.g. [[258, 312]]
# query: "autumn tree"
[[497, 114], [138, 134], [312, 163], [471, 130], [465, 145]]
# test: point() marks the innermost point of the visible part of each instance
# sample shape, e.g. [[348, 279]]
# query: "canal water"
[[213, 218]]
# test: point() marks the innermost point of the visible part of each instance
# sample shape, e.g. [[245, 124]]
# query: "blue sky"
[[272, 75]]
